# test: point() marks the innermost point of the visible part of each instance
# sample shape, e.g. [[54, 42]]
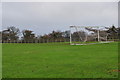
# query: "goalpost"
[[80, 35]]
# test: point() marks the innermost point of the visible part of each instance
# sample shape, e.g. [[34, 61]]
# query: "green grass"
[[60, 60], [0, 61]]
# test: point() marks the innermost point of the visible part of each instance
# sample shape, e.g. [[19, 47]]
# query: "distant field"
[[60, 60]]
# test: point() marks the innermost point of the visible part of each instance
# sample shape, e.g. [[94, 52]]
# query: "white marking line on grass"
[[93, 43]]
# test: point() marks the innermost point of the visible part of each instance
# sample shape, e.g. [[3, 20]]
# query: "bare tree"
[[11, 34]]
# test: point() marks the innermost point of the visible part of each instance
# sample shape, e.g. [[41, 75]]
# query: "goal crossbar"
[[86, 26]]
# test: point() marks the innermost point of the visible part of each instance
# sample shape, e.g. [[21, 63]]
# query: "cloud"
[[44, 17], [0, 16], [59, 0], [119, 13]]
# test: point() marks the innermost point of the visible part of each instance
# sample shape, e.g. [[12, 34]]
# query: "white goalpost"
[[80, 35]]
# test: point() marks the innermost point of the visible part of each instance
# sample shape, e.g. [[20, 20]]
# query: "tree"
[[0, 36], [11, 34], [79, 36], [110, 33], [113, 32], [118, 29], [66, 34], [94, 36], [28, 35], [45, 38], [56, 35]]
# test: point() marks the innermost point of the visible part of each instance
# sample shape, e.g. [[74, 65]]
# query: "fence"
[[35, 41]]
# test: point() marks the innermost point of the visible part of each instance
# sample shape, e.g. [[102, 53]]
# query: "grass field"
[[55, 60]]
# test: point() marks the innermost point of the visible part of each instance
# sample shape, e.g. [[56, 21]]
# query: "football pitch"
[[59, 60]]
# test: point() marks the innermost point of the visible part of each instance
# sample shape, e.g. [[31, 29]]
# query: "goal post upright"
[[70, 36], [98, 32]]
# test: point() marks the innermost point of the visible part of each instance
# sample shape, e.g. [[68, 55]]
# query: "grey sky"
[[0, 16], [119, 13], [44, 17]]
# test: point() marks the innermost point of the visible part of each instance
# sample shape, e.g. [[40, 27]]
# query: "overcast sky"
[[44, 17], [119, 14]]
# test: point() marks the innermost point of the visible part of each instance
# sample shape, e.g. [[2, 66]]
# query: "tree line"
[[12, 35]]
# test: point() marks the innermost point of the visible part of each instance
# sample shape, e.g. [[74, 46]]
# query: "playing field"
[[60, 60]]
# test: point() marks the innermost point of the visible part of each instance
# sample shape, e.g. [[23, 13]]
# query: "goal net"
[[87, 34]]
